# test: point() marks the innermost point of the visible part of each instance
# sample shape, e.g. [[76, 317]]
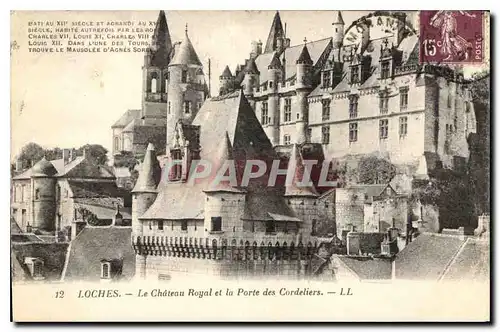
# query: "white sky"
[[68, 100]]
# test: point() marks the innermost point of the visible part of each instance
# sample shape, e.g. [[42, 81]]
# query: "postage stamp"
[[451, 36]]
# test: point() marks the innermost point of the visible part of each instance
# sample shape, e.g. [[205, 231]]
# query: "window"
[[105, 270], [37, 269], [288, 109], [270, 84], [176, 171], [384, 71], [467, 107], [198, 105], [325, 138], [313, 228], [184, 76], [384, 103], [383, 128], [326, 109], [354, 74], [160, 225], [326, 79], [353, 106], [184, 225], [154, 83], [309, 133], [270, 227], [37, 194], [23, 217], [187, 107], [265, 113], [403, 98], [353, 132], [286, 139], [448, 101], [116, 143], [169, 109], [403, 126], [216, 224]]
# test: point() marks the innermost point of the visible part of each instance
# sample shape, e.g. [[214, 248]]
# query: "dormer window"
[[176, 171], [110, 269], [265, 113], [354, 74], [385, 69], [326, 79], [105, 270], [187, 107], [35, 266]]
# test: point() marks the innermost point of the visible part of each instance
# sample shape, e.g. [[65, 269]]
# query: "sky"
[[68, 100]]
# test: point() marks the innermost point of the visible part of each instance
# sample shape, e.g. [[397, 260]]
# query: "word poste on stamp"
[[451, 36]]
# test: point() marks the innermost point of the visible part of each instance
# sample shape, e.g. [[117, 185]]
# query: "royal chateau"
[[346, 95]]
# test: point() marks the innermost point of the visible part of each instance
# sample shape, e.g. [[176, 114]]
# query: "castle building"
[[173, 88], [182, 225], [356, 94], [48, 198]]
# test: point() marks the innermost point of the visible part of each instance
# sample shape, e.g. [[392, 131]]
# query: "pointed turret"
[[149, 175], [226, 73], [251, 67], [225, 156], [304, 57], [275, 62], [338, 18], [186, 55], [275, 34], [296, 163], [161, 44]]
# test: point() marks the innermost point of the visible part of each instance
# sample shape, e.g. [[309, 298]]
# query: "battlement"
[[222, 249]]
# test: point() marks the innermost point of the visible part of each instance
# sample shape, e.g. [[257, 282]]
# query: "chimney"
[[72, 154], [118, 218], [365, 36], [66, 155]]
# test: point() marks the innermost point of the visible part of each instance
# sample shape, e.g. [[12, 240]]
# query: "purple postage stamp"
[[451, 36]]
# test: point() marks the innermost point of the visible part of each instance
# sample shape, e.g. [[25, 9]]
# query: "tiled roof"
[[471, 262], [296, 162], [130, 127], [14, 227], [339, 19], [94, 244], [251, 67], [125, 119], [88, 189], [304, 57]]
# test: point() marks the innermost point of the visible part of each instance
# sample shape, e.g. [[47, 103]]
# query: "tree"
[[96, 152], [31, 153], [374, 170]]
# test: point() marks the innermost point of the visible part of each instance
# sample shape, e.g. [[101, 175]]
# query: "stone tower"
[[303, 87], [43, 195], [225, 81], [274, 72], [186, 86], [155, 74]]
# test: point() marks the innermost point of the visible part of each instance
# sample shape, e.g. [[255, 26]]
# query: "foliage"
[[96, 152], [374, 170], [31, 153], [126, 159]]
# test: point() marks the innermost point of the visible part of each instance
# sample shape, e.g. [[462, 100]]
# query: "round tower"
[[303, 87], [338, 30], [274, 71], [43, 193], [186, 85]]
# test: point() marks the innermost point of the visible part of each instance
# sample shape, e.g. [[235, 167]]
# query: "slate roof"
[[427, 257], [368, 268], [408, 46], [304, 56], [161, 42], [43, 168], [94, 244], [275, 32], [185, 54], [339, 19], [80, 167], [227, 118], [471, 262], [126, 118], [150, 173], [226, 73]]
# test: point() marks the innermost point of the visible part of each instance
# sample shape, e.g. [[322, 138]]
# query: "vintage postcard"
[[323, 166]]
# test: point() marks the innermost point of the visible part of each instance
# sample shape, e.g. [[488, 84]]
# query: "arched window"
[[116, 143], [37, 193], [154, 87], [214, 248], [105, 270]]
